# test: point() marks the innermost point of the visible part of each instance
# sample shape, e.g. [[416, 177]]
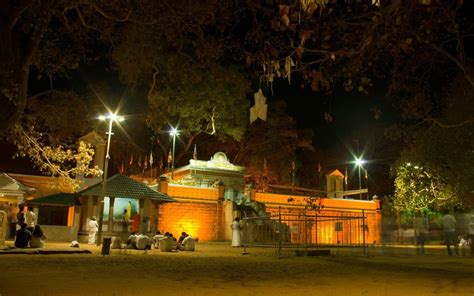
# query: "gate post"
[[305, 232], [279, 231], [363, 231]]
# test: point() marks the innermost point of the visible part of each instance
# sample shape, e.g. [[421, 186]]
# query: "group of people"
[[421, 227], [29, 234], [166, 242]]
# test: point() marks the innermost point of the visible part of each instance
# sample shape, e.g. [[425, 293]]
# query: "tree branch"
[[17, 11], [450, 57]]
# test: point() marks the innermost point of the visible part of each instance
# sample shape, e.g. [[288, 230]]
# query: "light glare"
[[359, 161], [174, 131]]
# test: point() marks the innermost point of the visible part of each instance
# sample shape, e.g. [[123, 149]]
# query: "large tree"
[[409, 43], [192, 91], [436, 169]]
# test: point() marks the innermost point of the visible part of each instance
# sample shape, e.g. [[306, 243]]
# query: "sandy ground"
[[217, 269]]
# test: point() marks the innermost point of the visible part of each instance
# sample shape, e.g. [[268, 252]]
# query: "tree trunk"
[[16, 54], [13, 78]]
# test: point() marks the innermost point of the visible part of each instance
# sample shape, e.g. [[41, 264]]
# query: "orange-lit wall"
[[325, 231], [198, 211]]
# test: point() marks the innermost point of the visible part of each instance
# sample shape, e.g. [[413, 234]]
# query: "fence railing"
[[306, 229]]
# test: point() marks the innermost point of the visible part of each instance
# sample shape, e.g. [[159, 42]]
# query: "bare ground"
[[217, 269]]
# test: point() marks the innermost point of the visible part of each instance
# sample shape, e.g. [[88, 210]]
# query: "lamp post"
[[111, 118], [173, 132], [359, 162]]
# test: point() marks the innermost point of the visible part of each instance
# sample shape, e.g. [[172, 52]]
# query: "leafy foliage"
[[191, 90], [443, 147], [350, 42], [65, 162], [269, 147]]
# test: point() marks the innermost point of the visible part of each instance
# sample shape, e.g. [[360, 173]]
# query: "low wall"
[[59, 233]]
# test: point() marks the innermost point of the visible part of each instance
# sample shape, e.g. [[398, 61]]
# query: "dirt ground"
[[218, 269]]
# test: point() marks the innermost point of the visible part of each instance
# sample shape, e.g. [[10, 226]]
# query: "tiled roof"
[[58, 199], [122, 186]]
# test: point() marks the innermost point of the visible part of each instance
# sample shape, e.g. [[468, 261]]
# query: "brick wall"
[[199, 219]]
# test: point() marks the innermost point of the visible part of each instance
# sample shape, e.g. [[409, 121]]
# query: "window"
[[50, 215]]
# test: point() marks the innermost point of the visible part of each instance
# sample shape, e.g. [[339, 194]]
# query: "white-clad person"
[[236, 237], [93, 228], [30, 219], [143, 242]]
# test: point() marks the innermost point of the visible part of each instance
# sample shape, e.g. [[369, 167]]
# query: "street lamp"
[[173, 132], [111, 117], [359, 162]]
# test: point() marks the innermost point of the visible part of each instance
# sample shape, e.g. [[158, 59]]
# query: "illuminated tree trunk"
[[399, 227]]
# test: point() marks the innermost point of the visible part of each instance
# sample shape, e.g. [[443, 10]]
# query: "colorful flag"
[[170, 158], [345, 176], [195, 153]]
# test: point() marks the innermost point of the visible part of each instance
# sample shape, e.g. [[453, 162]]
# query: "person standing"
[[20, 216], [125, 223], [236, 236], [136, 222], [471, 232], [449, 226], [93, 227], [421, 226], [13, 220], [30, 219]]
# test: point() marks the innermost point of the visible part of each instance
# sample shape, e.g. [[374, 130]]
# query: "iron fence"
[[305, 229]]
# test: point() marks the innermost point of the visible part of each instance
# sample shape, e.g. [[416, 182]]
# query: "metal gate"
[[306, 229]]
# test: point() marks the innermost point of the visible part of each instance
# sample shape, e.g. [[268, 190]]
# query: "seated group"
[[166, 242], [29, 237]]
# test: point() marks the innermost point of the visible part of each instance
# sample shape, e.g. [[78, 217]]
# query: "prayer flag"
[[259, 110], [345, 176], [170, 158]]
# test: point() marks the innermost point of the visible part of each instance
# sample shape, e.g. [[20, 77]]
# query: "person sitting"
[[23, 237], [188, 244], [156, 239], [182, 237], [37, 238], [143, 242], [168, 243], [131, 242], [116, 243]]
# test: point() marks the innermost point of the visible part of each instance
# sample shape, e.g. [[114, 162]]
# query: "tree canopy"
[[194, 62]]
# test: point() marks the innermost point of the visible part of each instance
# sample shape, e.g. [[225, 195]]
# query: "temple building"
[[201, 199]]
